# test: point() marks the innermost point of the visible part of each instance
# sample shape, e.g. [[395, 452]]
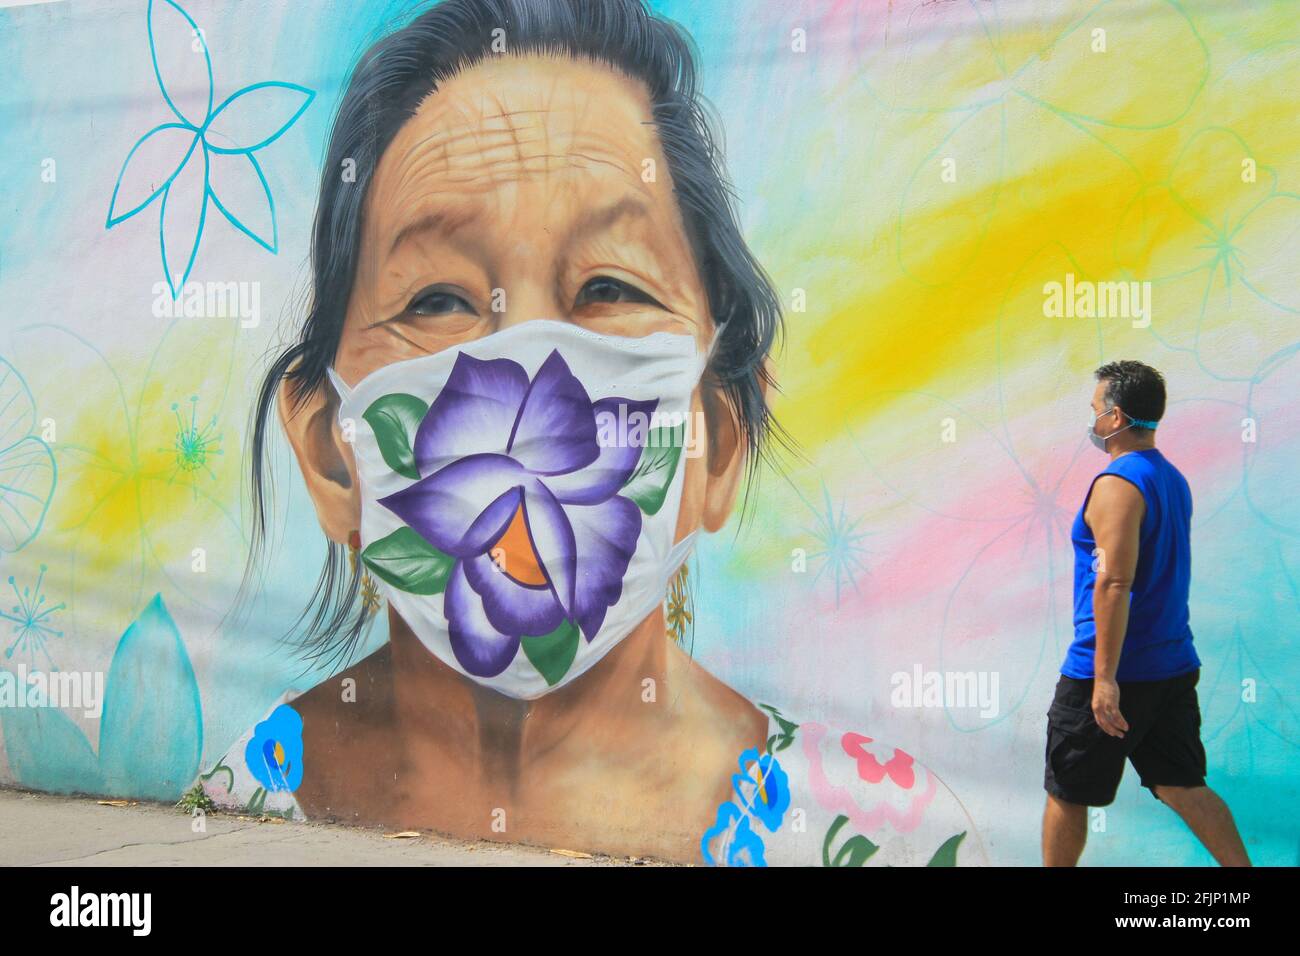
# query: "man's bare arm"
[[1114, 514]]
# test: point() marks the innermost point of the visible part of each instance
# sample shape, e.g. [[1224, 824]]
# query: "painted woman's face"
[[523, 189]]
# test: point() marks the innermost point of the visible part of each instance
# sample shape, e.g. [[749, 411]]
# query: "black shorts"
[[1085, 764]]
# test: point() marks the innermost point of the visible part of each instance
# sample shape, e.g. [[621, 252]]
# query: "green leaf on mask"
[[647, 486], [552, 654], [406, 561], [395, 419]]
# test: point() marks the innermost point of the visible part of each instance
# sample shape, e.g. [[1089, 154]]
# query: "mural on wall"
[[626, 422]]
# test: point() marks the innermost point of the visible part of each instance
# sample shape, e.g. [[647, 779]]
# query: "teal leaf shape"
[[256, 116], [245, 200], [552, 654], [394, 419], [647, 486], [406, 561], [151, 733], [167, 146], [180, 220], [47, 751], [184, 81]]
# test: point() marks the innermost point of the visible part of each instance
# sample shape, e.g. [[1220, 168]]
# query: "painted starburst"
[[840, 551], [193, 444], [30, 617]]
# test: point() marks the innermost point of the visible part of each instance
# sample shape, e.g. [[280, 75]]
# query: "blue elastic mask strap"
[[1143, 423]]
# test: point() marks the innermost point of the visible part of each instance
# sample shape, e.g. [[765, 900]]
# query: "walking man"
[[1128, 684]]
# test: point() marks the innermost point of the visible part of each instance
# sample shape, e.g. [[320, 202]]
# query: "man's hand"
[[1105, 707]]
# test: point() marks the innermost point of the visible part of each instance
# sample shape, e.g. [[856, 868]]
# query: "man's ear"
[[727, 453], [323, 456]]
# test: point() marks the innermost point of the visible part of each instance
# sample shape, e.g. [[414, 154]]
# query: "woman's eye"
[[437, 301], [604, 289]]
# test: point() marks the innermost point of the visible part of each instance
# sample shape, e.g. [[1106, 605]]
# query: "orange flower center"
[[515, 555]]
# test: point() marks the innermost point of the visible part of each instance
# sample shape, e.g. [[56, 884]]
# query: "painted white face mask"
[[519, 494]]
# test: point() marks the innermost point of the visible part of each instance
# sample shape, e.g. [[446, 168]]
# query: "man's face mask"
[[519, 493], [1100, 441]]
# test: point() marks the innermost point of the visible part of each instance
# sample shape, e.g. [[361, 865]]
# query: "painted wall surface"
[[913, 177]]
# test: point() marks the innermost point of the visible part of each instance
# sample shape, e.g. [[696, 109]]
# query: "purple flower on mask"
[[518, 490]]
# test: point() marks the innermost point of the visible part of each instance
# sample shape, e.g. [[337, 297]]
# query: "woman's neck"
[[445, 716]]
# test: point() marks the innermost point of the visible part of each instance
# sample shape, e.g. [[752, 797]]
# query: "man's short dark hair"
[[1136, 388]]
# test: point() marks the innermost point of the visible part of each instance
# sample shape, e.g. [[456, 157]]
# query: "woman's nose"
[[528, 302]]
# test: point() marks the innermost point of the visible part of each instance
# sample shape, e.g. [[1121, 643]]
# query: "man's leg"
[[1082, 768], [1209, 818], [1065, 830]]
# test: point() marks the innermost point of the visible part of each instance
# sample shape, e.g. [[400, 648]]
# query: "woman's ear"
[[324, 457], [727, 453]]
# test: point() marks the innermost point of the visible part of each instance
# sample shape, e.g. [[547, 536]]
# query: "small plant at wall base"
[[196, 799]]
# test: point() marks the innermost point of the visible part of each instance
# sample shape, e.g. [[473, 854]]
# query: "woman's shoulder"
[[260, 771], [814, 794]]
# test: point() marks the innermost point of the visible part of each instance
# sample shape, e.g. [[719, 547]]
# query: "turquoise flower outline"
[[244, 107], [745, 848], [766, 796], [28, 472]]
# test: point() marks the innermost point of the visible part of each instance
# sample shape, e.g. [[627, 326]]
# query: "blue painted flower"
[[274, 754], [742, 846], [206, 154], [763, 787]]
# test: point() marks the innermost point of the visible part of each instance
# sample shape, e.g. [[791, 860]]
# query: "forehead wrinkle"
[[502, 130], [417, 165], [586, 136], [486, 177], [484, 173], [498, 172], [514, 124], [433, 153], [453, 122], [502, 134]]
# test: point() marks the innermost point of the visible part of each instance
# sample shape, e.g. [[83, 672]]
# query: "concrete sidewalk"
[[45, 830]]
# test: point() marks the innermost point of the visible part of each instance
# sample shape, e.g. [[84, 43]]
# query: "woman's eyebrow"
[[443, 222], [600, 219]]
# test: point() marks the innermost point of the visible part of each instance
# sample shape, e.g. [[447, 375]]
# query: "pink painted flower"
[[898, 767], [873, 793]]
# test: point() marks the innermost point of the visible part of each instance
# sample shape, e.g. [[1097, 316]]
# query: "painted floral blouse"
[[810, 797]]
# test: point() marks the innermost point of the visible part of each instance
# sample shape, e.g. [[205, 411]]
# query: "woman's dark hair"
[[385, 88], [1136, 388]]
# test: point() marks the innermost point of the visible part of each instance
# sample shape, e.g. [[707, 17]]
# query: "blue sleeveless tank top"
[[1158, 642]]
